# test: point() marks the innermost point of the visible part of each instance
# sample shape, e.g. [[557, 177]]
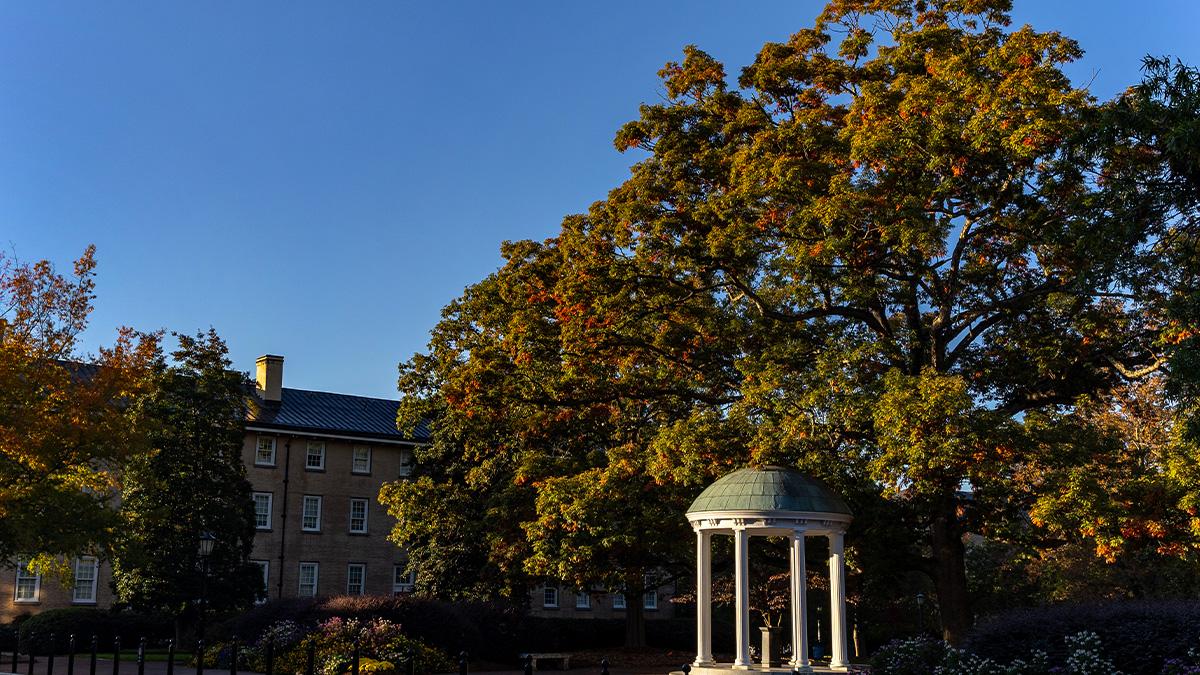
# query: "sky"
[[319, 179]]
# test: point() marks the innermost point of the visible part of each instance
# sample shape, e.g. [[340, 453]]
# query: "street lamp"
[[921, 613], [204, 549]]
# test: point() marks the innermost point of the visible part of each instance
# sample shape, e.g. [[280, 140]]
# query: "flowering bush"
[[380, 640]]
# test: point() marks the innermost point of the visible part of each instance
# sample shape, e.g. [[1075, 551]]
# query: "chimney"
[[270, 377]]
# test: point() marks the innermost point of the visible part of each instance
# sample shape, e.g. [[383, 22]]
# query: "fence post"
[[50, 657], [92, 660], [71, 654], [603, 666], [529, 664], [29, 651], [141, 656], [354, 659], [199, 657], [16, 650], [170, 657], [233, 656], [462, 663], [687, 668], [117, 655], [270, 657], [310, 665]]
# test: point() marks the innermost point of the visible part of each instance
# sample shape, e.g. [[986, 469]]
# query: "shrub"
[[913, 656], [84, 622], [1137, 637]]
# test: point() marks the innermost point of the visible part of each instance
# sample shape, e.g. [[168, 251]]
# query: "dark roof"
[[320, 411], [771, 488]]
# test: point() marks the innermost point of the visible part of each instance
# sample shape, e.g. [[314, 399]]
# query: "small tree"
[[191, 482]]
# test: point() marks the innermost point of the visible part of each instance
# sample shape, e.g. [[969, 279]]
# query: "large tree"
[[190, 482], [895, 250], [65, 427]]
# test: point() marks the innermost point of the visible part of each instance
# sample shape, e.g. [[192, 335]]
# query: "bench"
[[563, 659]]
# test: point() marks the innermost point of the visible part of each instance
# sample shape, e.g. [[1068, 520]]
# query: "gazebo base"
[[756, 669]]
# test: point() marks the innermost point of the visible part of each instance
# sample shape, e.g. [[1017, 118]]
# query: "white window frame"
[[310, 499], [265, 567], [402, 582], [354, 460], [550, 596], [406, 463], [270, 509], [316, 576], [308, 455], [361, 568], [650, 599], [366, 509], [583, 600], [258, 448], [618, 600], [24, 575], [92, 565]]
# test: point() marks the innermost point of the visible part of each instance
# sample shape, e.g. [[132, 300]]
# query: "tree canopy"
[[904, 253]]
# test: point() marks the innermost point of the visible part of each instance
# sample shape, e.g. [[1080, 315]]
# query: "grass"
[[155, 655]]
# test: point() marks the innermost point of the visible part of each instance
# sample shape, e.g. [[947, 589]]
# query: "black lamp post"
[[204, 548], [921, 613]]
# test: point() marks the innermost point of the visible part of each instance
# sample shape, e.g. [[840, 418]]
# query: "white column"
[[837, 602], [741, 575], [703, 598], [799, 604]]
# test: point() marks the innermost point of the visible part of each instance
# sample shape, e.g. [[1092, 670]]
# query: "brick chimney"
[[270, 377]]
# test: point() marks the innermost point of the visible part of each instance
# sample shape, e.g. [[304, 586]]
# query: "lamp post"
[[921, 613], [204, 549]]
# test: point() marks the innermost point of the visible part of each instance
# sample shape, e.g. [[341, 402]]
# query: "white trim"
[[308, 447], [546, 601], [619, 598], [583, 600], [316, 576], [405, 586], [354, 449], [94, 564], [366, 503], [303, 515], [315, 434], [362, 578], [23, 565], [265, 566], [258, 439], [270, 509]]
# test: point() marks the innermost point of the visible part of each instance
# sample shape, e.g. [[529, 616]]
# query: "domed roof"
[[771, 488]]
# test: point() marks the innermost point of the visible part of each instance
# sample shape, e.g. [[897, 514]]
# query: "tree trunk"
[[950, 577], [635, 621]]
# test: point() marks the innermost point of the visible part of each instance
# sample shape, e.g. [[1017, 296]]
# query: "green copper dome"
[[771, 488]]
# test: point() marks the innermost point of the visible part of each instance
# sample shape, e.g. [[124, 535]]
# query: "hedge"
[[83, 623]]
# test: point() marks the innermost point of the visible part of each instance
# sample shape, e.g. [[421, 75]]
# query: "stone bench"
[[563, 659]]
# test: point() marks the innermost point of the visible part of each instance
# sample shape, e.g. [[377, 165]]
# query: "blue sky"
[[318, 179]]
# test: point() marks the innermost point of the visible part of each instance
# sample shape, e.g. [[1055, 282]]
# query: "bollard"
[[354, 659], [141, 656], [199, 657], [16, 651], [687, 668], [71, 654], [529, 664], [462, 663], [92, 660], [603, 666], [29, 651], [170, 657], [411, 667], [270, 657], [50, 657], [117, 655], [233, 657], [310, 667]]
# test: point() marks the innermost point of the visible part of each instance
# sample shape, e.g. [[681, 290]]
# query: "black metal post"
[[92, 659], [29, 651], [199, 657], [355, 658], [141, 656], [71, 654], [117, 655], [310, 665], [529, 664], [687, 668], [170, 657], [203, 596], [411, 667], [233, 657], [16, 650], [270, 657], [462, 663], [603, 666], [50, 657]]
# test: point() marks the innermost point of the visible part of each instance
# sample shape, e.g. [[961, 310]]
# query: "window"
[[583, 600], [308, 580], [265, 567], [361, 460], [314, 459], [262, 510], [356, 575], [550, 596], [402, 582], [358, 516], [310, 514], [650, 601], [406, 463], [618, 601], [264, 454], [29, 584], [85, 580]]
